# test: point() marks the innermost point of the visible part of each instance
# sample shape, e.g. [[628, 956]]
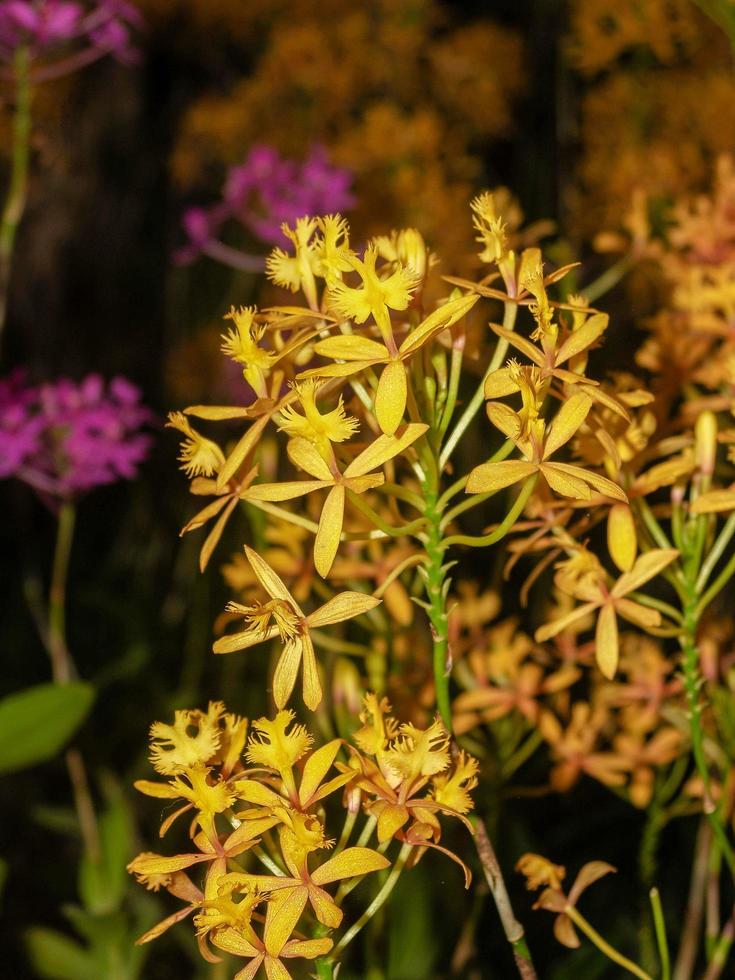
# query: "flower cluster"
[[258, 825], [261, 194], [65, 438], [355, 459]]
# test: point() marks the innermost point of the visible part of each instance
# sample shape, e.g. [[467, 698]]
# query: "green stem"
[[693, 682], [717, 586], [715, 553], [377, 520], [15, 201], [721, 951], [61, 664], [509, 319], [324, 970], [658, 604], [512, 928], [375, 905], [659, 926], [502, 529], [436, 584], [62, 669], [604, 946], [608, 279]]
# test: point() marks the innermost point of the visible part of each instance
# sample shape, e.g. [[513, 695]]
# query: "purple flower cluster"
[[265, 191], [64, 439], [101, 26]]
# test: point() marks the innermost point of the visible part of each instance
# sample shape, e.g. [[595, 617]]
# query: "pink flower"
[[264, 192], [65, 439], [99, 27]]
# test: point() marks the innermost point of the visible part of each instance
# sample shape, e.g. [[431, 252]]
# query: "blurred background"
[[123, 265]]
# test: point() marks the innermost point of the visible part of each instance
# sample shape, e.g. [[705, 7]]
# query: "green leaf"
[[56, 957], [103, 883], [36, 724]]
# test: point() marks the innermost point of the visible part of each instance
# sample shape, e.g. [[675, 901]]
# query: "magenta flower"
[[20, 427], [40, 25], [96, 28], [64, 439], [261, 194]]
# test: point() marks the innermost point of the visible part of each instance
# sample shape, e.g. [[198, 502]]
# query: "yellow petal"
[[330, 529], [606, 641], [349, 863], [636, 613], [304, 455], [286, 672], [308, 949], [500, 383], [714, 502], [160, 790], [441, 319], [159, 864], [317, 766], [284, 911], [341, 607], [599, 483], [288, 490], [241, 641], [268, 578], [217, 413], [521, 344], [567, 484], [384, 448], [583, 338], [325, 908], [566, 422], [205, 514], [212, 539], [504, 418], [489, 477], [390, 399], [311, 685], [551, 629], [233, 941], [238, 455], [622, 540], [351, 348], [645, 568], [392, 818], [345, 370], [360, 484], [165, 924]]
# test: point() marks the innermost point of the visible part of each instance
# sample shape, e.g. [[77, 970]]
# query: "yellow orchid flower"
[[359, 476], [359, 353], [538, 444], [297, 271], [320, 429], [301, 835], [550, 357], [375, 296], [611, 601], [284, 617], [284, 910], [242, 344], [199, 456]]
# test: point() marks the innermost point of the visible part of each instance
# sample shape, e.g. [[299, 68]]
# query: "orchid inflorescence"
[[353, 468]]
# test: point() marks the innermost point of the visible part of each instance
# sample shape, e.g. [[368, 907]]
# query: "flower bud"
[[622, 541], [705, 442]]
